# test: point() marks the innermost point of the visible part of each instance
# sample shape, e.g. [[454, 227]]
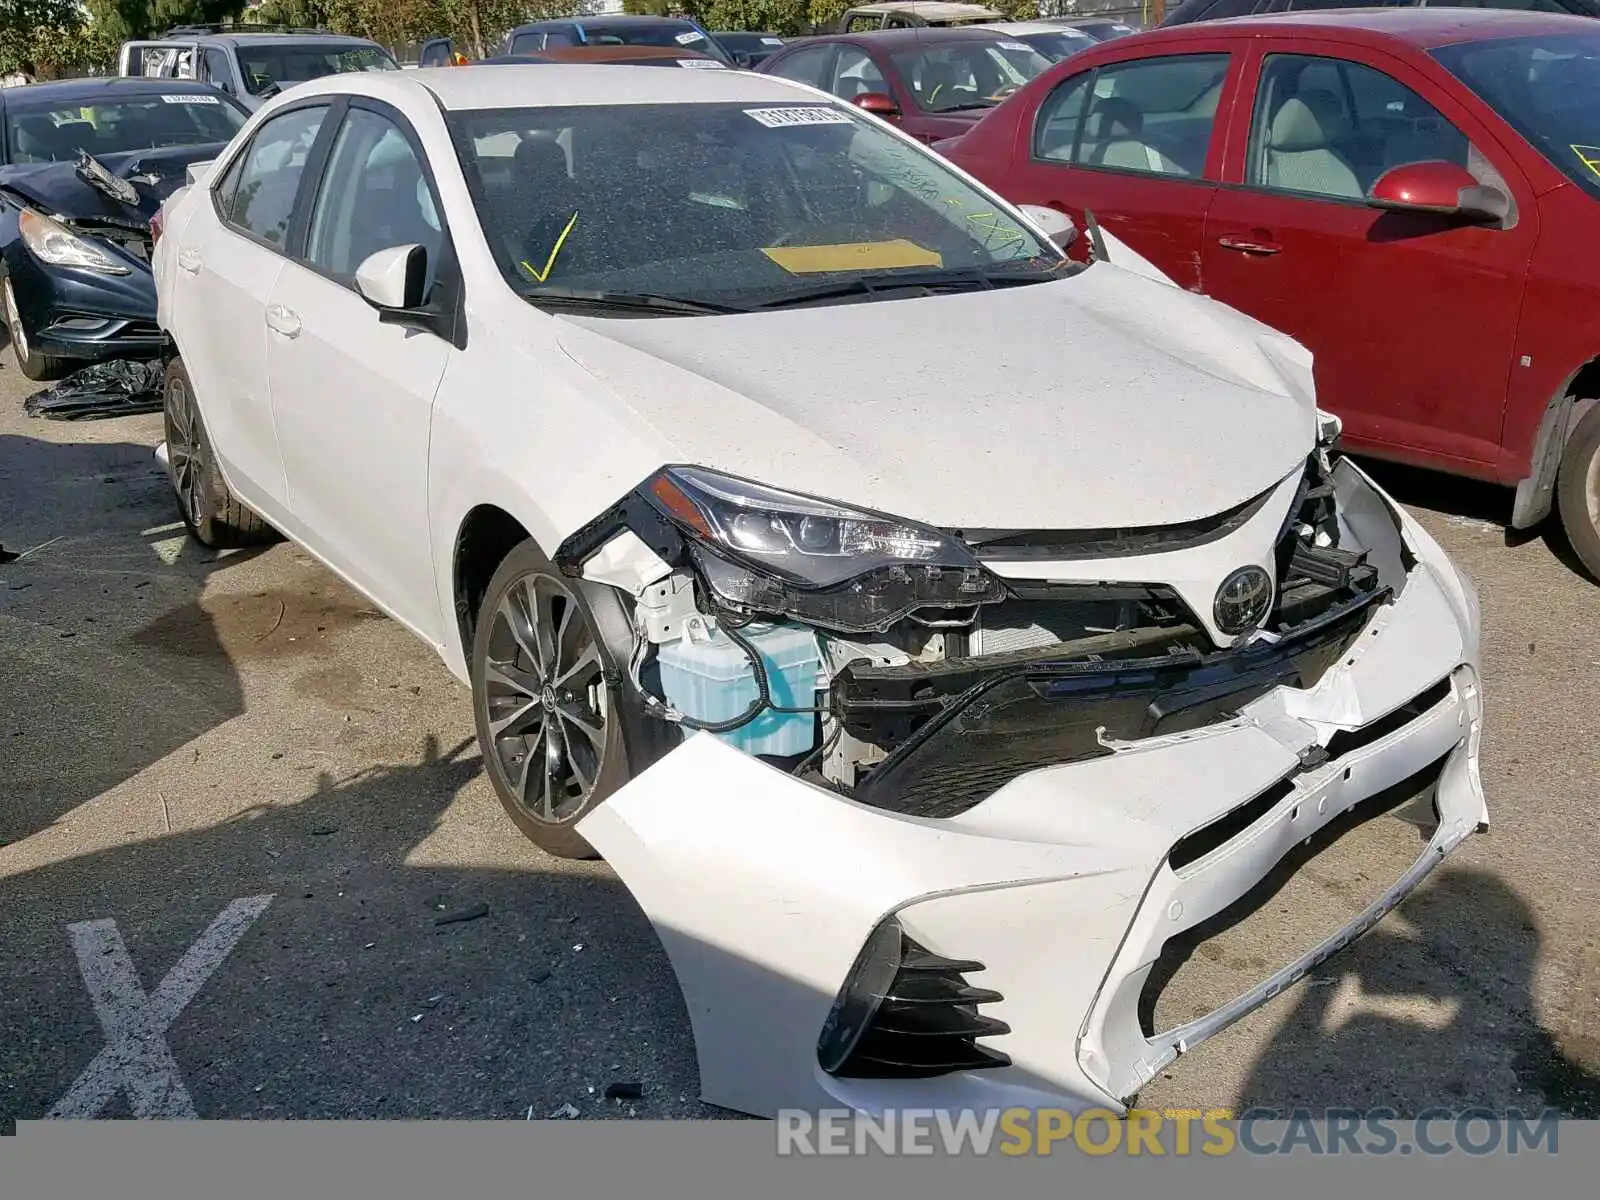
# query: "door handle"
[[283, 320], [1248, 247], [189, 260]]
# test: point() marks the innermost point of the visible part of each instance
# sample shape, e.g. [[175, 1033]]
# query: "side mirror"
[[879, 104], [1440, 188], [1058, 227], [393, 279]]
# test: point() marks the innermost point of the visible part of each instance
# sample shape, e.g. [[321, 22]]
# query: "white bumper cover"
[[764, 889]]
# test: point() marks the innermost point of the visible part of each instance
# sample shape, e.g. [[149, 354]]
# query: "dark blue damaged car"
[[84, 166]]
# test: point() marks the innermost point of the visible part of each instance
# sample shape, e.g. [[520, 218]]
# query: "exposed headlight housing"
[[52, 242], [764, 550]]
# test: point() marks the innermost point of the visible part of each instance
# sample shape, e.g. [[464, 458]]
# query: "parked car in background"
[[1055, 42], [1211, 10], [933, 83], [251, 64], [1413, 193], [616, 29], [748, 49], [1027, 630], [617, 56], [84, 165], [914, 14], [1101, 29]]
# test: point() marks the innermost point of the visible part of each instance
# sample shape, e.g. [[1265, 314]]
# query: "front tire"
[[558, 726], [1578, 490], [35, 366], [213, 516]]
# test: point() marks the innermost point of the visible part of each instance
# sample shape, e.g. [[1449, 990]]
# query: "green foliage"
[[784, 17], [47, 39], [824, 14]]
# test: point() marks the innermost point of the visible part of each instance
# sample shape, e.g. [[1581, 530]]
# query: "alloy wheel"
[[184, 457], [19, 335], [1592, 490], [546, 698]]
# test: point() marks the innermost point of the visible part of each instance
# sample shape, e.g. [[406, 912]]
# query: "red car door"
[[1134, 141], [1412, 317]]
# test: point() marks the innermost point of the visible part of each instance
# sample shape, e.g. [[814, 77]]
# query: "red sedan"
[[933, 83], [1413, 193]]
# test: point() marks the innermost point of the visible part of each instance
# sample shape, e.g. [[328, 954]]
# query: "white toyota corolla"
[[888, 598]]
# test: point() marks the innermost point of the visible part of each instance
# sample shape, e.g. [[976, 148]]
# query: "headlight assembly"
[[53, 243], [764, 550]]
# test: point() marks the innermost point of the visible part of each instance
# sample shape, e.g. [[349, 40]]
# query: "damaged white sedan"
[[929, 630]]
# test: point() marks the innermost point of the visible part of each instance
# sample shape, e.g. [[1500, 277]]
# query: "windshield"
[[679, 34], [266, 67], [1547, 88], [1057, 44], [972, 73], [40, 131], [734, 204]]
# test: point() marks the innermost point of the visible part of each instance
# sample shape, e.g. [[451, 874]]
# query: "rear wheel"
[[558, 726], [36, 366], [1578, 490], [209, 509]]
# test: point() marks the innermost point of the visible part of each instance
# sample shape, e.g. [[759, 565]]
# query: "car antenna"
[[1097, 244]]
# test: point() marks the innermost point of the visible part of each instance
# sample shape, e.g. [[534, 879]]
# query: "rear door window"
[[1152, 116], [261, 202]]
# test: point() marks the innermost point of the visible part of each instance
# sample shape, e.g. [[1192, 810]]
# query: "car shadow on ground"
[[84, 705], [368, 987], [1472, 499], [1433, 1009]]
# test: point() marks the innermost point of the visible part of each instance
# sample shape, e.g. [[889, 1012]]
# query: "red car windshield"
[[1547, 88]]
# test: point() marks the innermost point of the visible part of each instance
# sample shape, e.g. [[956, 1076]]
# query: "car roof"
[[1015, 27], [540, 85], [931, 10], [1421, 27], [611, 19], [896, 38], [272, 39], [610, 53], [67, 90]]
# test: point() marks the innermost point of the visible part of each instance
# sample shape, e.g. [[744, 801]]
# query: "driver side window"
[[1327, 127], [373, 196]]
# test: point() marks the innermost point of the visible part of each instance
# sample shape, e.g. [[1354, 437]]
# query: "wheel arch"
[[485, 535], [1535, 494]]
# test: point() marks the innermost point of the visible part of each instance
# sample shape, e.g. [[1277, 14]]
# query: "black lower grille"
[[1050, 713], [927, 1022]]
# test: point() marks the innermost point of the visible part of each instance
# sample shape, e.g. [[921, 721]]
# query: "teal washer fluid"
[[707, 676]]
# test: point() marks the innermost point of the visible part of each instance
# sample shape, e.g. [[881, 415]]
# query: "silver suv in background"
[[251, 63]]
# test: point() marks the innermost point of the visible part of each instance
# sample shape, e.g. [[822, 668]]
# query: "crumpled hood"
[[57, 189], [1098, 401]]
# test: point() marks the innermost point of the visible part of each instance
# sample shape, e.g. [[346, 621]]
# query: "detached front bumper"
[[1066, 884], [85, 315]]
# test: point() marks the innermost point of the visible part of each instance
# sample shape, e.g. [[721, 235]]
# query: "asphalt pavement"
[[250, 865]]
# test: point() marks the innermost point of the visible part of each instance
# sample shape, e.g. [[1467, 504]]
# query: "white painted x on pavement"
[[136, 1058]]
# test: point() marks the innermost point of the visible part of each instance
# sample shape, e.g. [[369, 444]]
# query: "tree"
[[784, 17], [45, 39], [120, 20]]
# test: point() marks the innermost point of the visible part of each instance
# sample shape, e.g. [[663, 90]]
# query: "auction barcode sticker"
[[189, 98], [776, 118], [703, 64]]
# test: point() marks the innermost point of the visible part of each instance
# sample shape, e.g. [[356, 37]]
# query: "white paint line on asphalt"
[[172, 528], [136, 1058]]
